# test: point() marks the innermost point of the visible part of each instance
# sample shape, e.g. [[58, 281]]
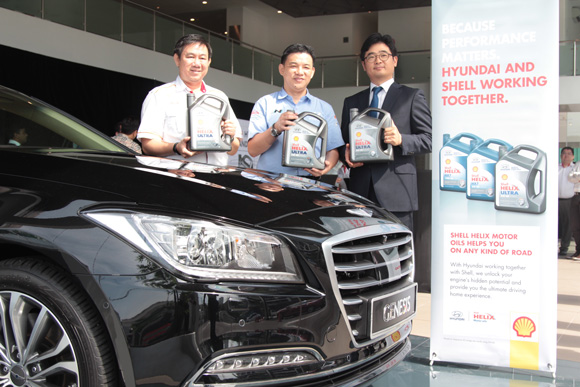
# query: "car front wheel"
[[50, 333]]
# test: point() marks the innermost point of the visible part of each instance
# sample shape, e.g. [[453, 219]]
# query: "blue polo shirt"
[[267, 111]]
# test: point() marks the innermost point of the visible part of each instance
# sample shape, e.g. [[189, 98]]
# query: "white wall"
[[411, 27], [325, 34]]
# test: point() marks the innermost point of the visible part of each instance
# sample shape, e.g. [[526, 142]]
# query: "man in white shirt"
[[565, 195], [18, 136], [163, 129]]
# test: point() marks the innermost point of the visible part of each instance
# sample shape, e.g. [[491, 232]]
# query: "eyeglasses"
[[383, 55]]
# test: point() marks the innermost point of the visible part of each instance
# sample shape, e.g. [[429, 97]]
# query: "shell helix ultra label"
[[202, 123], [480, 177], [453, 169], [301, 151], [365, 146], [510, 187]]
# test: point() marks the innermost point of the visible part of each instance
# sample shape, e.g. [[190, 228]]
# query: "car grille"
[[366, 264]]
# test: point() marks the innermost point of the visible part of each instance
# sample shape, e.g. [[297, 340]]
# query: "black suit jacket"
[[395, 182]]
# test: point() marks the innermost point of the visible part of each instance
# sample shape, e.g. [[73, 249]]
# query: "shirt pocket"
[[175, 126]]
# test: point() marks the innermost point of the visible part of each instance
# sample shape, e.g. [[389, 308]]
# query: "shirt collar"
[[384, 85], [182, 86], [282, 94]]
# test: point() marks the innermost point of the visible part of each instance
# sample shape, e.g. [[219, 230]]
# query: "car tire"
[[50, 332]]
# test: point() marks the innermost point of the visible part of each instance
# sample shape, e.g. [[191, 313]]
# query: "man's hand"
[[182, 148], [285, 121], [347, 158], [392, 136], [229, 128]]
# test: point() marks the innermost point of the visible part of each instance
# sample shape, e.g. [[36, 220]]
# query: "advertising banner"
[[495, 155]]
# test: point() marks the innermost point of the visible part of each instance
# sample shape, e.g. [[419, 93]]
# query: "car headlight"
[[204, 249]]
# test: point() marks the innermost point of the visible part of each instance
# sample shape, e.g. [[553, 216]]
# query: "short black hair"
[[127, 125], [377, 37], [186, 40], [568, 148], [297, 47], [13, 131]]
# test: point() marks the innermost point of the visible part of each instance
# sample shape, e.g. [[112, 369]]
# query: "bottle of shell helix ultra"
[[520, 183], [204, 118], [453, 160], [299, 149], [366, 133]]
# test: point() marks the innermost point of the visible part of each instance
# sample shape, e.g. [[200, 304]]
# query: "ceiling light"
[[192, 19], [279, 11], [204, 2]]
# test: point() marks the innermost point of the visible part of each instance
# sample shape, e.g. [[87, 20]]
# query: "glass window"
[[104, 18], [263, 66], [29, 123], [413, 68], [167, 32], [68, 12], [29, 7], [222, 53], [138, 26], [340, 72], [363, 78], [316, 81], [192, 30], [242, 60]]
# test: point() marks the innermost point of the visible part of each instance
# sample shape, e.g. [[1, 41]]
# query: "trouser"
[[564, 230], [404, 216], [575, 220]]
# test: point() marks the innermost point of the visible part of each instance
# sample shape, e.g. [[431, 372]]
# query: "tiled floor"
[[416, 371]]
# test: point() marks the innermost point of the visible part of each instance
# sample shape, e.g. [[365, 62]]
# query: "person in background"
[[126, 132], [18, 136], [391, 184], [163, 129], [274, 114], [574, 177], [565, 195]]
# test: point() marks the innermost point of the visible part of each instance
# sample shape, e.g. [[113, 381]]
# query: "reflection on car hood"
[[246, 195]]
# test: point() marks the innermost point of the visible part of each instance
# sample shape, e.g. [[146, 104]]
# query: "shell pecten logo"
[[296, 138], [396, 336], [524, 326], [358, 134]]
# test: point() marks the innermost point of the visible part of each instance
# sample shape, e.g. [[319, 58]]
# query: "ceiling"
[[213, 15]]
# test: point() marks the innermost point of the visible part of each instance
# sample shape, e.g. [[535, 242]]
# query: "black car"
[[120, 270]]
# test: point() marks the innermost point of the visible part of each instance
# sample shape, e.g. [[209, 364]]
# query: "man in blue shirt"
[[275, 113]]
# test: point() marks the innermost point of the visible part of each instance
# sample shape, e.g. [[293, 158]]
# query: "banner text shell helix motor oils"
[[453, 160], [481, 168], [204, 118], [299, 150], [520, 183], [366, 136]]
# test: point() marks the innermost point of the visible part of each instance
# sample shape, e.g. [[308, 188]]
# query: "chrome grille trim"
[[372, 246], [367, 262]]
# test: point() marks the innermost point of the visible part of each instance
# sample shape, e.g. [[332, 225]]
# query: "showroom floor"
[[415, 370]]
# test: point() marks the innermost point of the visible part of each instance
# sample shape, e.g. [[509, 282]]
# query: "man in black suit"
[[392, 184]]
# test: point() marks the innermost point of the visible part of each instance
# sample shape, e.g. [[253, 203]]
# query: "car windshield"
[[30, 123]]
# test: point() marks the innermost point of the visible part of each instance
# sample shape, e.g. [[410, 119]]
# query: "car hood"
[[249, 196]]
